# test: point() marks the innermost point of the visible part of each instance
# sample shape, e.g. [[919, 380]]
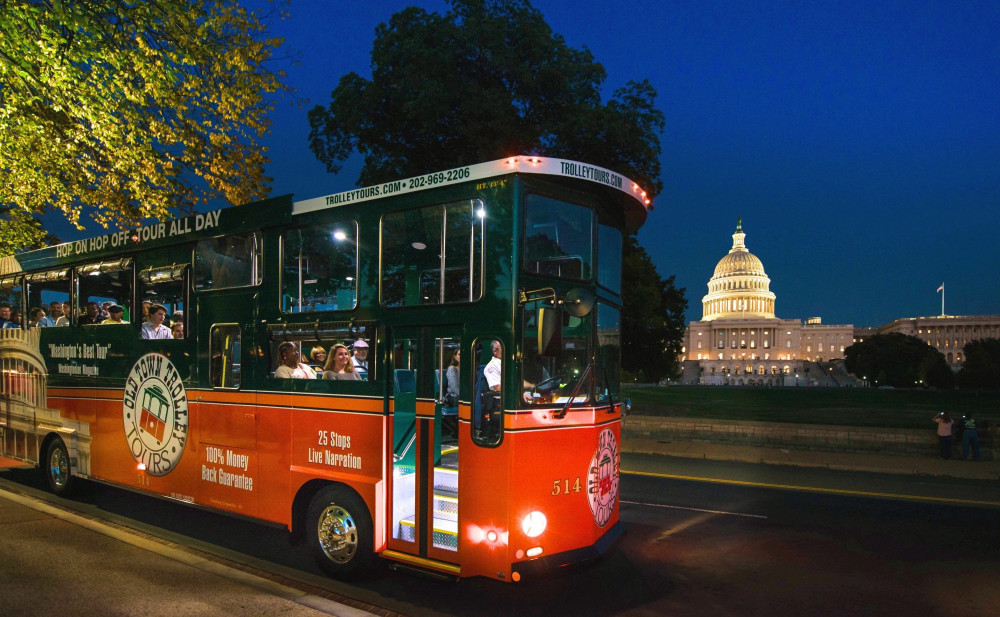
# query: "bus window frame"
[[482, 435], [355, 240], [477, 252], [256, 260], [211, 350], [80, 272]]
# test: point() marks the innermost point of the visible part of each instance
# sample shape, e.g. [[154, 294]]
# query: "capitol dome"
[[739, 288]]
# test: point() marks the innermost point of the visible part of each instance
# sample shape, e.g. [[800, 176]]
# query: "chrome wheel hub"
[[338, 536]]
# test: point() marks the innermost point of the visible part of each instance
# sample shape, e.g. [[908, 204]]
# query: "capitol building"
[[740, 341]]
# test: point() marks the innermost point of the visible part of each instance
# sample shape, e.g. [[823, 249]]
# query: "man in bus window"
[[115, 315], [360, 358], [492, 370], [154, 328], [289, 366], [93, 315], [4, 315], [177, 329], [55, 317]]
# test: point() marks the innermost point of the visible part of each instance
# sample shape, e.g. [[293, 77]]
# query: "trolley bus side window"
[[166, 285], [102, 282], [487, 403], [360, 339], [433, 255], [224, 350], [227, 261], [319, 268], [46, 288], [12, 293]]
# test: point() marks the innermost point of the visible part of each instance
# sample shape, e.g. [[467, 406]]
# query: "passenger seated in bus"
[[360, 358], [451, 380], [317, 357], [4, 315], [289, 366], [55, 316], [154, 328], [145, 310], [93, 315], [34, 315], [116, 315], [339, 365], [177, 329]]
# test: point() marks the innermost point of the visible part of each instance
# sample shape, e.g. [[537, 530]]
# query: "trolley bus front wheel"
[[57, 467], [340, 533]]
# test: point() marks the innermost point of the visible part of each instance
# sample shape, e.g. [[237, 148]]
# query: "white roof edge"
[[542, 165]]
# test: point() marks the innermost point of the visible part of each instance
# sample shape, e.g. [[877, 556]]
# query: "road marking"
[[815, 489], [661, 505]]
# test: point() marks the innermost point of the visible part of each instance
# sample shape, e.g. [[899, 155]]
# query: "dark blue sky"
[[859, 140]]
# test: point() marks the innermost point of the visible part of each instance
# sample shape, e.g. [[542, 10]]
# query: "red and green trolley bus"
[[477, 435]]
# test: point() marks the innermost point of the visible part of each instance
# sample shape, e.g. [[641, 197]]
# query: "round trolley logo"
[[155, 413], [602, 478]]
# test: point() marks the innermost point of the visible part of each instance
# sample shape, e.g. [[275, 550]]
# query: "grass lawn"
[[836, 406]]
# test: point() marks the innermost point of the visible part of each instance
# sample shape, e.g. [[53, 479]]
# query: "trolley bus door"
[[227, 415], [424, 517]]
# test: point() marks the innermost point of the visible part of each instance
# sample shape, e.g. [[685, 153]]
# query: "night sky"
[[859, 140]]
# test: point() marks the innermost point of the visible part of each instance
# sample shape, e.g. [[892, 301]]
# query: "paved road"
[[838, 543]]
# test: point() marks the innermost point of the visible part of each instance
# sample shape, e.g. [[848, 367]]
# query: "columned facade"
[[740, 341], [949, 334]]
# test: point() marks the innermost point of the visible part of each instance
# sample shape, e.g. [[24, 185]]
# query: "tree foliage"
[[486, 80], [898, 360], [982, 364], [652, 318], [129, 110], [490, 79]]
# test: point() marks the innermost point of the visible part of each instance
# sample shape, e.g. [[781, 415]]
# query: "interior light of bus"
[[534, 524], [339, 235], [348, 278], [534, 552], [418, 245], [481, 213]]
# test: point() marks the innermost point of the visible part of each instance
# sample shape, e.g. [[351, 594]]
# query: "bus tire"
[[340, 533], [56, 467]]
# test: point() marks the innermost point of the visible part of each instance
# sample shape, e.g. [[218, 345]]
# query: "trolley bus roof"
[[519, 164]]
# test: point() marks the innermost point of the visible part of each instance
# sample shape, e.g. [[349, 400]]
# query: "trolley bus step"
[[445, 532]]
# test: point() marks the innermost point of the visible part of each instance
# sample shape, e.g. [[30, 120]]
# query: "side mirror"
[[549, 331]]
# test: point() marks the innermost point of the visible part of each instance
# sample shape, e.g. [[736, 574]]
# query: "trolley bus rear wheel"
[[57, 468], [340, 533]]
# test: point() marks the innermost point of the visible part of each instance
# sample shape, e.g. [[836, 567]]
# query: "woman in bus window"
[[338, 365], [289, 366], [451, 379], [34, 315]]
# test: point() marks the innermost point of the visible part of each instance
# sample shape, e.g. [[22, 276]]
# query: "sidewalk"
[[904, 465]]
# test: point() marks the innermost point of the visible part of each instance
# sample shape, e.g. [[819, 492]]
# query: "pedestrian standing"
[[944, 426], [970, 437]]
